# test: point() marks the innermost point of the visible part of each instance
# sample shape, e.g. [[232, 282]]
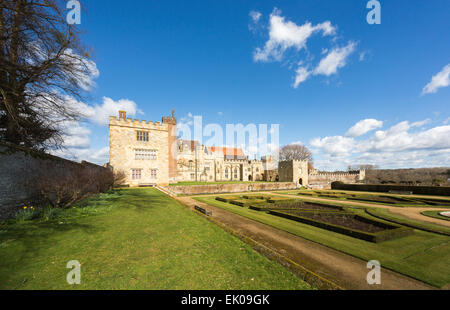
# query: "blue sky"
[[237, 61]]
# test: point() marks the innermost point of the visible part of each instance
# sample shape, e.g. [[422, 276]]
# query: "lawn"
[[133, 239], [189, 183], [423, 255], [436, 214]]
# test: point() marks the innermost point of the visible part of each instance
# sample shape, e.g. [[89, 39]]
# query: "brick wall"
[[231, 188], [18, 169]]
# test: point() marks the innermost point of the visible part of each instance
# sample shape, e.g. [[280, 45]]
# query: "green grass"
[[385, 214], [436, 214], [190, 183], [423, 255], [133, 239]]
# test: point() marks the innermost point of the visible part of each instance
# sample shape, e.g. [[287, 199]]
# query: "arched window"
[[235, 173], [226, 173]]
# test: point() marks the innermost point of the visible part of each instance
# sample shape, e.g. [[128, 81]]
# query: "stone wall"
[[231, 188], [19, 169], [294, 171], [324, 180]]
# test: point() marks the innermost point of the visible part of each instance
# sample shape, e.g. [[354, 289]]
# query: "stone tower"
[[294, 171], [139, 149]]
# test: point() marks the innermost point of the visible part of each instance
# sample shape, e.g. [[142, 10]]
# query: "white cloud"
[[334, 145], [75, 135], [403, 145], [100, 114], [362, 56], [86, 70], [286, 34], [442, 79], [335, 59], [364, 126], [421, 123], [96, 156], [302, 75], [255, 15]]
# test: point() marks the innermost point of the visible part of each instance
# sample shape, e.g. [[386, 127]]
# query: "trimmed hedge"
[[292, 204], [227, 198], [418, 190], [253, 197], [221, 199], [391, 232]]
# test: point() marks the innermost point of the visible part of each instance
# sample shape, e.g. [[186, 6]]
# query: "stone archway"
[[250, 178], [300, 181]]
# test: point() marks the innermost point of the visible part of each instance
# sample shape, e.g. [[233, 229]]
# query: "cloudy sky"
[[354, 93]]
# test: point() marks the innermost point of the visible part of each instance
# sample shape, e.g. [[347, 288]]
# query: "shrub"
[[60, 187], [27, 214], [221, 199], [120, 178], [51, 213]]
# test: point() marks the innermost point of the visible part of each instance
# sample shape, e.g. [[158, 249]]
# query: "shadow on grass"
[[21, 243]]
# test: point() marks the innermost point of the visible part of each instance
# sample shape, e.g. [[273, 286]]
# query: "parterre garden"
[[414, 248], [334, 218], [380, 198]]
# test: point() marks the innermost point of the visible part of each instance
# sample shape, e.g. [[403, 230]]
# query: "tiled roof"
[[228, 151]]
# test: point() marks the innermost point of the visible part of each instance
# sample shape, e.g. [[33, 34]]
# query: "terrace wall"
[[19, 167], [323, 180], [231, 188]]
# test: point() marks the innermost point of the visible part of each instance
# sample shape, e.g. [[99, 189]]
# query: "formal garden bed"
[[296, 204], [327, 216], [416, 249], [376, 198], [347, 224]]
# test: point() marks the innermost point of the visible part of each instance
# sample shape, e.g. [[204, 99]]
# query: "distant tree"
[[42, 66], [361, 167], [295, 152]]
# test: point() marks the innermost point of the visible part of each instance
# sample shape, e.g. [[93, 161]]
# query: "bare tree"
[[362, 167], [295, 152], [120, 177], [43, 69]]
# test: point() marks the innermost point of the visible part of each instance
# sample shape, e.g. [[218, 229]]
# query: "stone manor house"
[[150, 153]]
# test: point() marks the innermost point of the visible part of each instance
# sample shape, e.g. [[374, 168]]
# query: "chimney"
[[122, 115]]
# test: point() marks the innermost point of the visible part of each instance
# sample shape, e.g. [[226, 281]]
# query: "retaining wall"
[[231, 188]]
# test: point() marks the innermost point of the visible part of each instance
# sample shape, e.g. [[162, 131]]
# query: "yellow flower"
[[24, 207]]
